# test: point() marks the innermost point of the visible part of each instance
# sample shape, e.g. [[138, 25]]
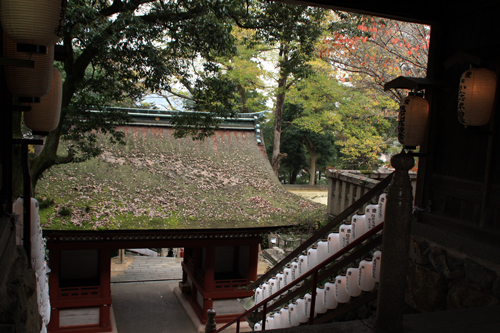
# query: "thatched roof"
[[157, 181]]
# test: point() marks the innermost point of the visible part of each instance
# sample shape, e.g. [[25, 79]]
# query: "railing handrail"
[[324, 230], [313, 271]]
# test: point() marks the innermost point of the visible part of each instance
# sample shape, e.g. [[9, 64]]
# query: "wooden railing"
[[230, 284], [325, 230]]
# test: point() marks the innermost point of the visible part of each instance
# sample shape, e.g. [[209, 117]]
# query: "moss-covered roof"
[[157, 181]]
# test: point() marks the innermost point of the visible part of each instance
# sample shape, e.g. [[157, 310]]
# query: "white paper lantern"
[[295, 269], [333, 243], [377, 260], [265, 291], [351, 282], [340, 292], [302, 264], [32, 22], [287, 275], [312, 257], [322, 250], [476, 96], [301, 310], [272, 286], [412, 120], [285, 318], [44, 116], [365, 280], [358, 222], [329, 300], [320, 295], [345, 232], [28, 82], [258, 295], [292, 313], [258, 326], [279, 281], [308, 299], [277, 320], [270, 323], [382, 202]]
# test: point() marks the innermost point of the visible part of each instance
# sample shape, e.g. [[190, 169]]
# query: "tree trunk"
[[277, 156], [313, 156]]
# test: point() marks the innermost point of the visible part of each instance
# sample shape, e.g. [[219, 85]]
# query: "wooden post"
[[211, 325], [395, 247]]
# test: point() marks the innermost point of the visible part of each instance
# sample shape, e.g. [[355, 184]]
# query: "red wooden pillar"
[[54, 262], [105, 277], [253, 261], [209, 277]]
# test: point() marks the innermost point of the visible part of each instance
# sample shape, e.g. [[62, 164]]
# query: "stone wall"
[[18, 299], [440, 278]]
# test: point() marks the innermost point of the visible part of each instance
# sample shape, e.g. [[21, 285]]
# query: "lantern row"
[[328, 297], [360, 278]]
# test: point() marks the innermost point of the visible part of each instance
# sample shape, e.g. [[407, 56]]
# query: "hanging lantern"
[[412, 120], [377, 260], [44, 116], [358, 225], [312, 257], [340, 292], [28, 82], [33, 22], [320, 295], [345, 231], [365, 280], [333, 243], [351, 282], [476, 95]]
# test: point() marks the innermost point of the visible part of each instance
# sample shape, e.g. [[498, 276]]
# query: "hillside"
[[158, 182]]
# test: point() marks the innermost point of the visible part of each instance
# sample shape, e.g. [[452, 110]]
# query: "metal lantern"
[[412, 120], [33, 22], [476, 95], [44, 116], [28, 82]]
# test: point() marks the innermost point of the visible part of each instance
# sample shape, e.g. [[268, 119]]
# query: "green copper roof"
[[158, 182]]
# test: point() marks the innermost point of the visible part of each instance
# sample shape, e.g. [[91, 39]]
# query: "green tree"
[[118, 50]]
